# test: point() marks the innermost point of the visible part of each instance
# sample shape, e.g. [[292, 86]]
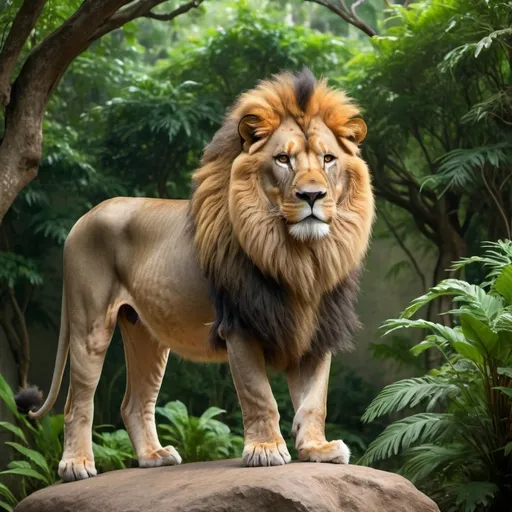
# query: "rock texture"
[[225, 486]]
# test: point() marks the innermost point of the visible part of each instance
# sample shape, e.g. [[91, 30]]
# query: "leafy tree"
[[459, 450], [435, 95], [68, 29]]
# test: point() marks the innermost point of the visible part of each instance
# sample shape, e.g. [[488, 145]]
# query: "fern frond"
[[402, 434], [422, 461], [408, 393]]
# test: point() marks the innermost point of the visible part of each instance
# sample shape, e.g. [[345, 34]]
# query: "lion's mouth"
[[309, 228]]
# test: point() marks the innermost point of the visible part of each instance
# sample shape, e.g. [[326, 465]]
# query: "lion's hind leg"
[[90, 336], [146, 360]]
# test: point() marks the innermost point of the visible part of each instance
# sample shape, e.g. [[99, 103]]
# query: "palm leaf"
[[402, 434], [407, 393], [423, 461]]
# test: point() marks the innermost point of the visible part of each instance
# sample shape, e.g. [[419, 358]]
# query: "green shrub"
[[196, 439], [38, 445], [458, 448]]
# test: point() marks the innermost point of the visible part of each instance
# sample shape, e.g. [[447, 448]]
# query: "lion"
[[259, 268]]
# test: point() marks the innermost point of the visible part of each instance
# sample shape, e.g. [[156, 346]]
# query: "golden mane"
[[307, 272]]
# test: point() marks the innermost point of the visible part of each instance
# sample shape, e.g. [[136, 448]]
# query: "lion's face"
[[303, 178], [302, 173]]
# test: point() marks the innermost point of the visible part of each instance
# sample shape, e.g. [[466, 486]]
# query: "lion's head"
[[286, 168], [283, 186]]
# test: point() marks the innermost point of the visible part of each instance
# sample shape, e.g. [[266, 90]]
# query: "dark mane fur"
[[262, 309], [304, 84]]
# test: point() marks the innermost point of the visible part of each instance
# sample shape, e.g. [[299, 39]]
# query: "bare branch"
[[21, 28], [408, 253], [138, 9], [24, 340], [354, 6], [346, 15]]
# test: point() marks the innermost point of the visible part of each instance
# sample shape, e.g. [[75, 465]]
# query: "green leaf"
[[407, 393], [7, 396], [425, 460], [402, 434], [505, 371], [422, 347], [508, 448], [6, 493], [29, 473], [483, 337], [504, 390], [475, 494], [14, 429], [503, 284], [33, 455], [6, 506], [16, 464], [211, 412]]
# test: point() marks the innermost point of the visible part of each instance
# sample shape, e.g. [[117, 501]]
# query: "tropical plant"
[[38, 449], [458, 449], [38, 446], [197, 439], [113, 450]]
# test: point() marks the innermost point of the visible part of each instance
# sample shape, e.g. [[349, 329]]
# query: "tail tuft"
[[28, 399]]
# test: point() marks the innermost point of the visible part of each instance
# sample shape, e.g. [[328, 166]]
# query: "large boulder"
[[226, 486]]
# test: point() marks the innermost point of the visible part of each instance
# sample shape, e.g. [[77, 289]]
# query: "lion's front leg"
[[308, 381], [264, 445]]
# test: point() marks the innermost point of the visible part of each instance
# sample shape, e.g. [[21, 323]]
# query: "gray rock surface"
[[226, 486]]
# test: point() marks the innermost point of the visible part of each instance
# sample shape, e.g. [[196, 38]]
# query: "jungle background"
[[131, 116]]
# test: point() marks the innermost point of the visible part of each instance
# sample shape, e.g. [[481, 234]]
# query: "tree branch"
[[345, 14], [408, 253], [138, 9], [21, 28], [23, 339], [21, 147]]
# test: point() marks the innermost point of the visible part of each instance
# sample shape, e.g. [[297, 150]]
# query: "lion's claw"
[[266, 454]]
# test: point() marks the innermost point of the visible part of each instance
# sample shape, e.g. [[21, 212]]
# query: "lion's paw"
[[336, 452], [76, 468], [266, 454], [167, 456]]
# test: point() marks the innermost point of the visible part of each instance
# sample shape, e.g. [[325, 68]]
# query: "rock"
[[225, 486]]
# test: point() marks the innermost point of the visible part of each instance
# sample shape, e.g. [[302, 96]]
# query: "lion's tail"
[[60, 363]]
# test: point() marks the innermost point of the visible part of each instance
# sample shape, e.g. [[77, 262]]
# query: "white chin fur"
[[309, 229]]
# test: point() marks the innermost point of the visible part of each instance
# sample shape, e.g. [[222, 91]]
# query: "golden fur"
[[231, 212], [266, 251]]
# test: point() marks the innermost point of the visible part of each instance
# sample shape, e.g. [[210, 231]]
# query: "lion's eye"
[[283, 158], [329, 158]]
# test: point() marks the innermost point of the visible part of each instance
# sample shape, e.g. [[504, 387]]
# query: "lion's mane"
[[296, 299]]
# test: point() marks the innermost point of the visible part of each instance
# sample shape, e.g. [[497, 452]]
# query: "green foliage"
[[197, 438], [14, 268], [113, 450], [460, 456], [38, 445]]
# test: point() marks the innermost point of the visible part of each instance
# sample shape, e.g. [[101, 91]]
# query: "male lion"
[[259, 267]]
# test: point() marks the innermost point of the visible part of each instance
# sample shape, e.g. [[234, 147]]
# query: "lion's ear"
[[351, 134], [252, 133], [357, 128]]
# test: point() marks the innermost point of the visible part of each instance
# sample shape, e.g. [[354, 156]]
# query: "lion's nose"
[[310, 196]]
